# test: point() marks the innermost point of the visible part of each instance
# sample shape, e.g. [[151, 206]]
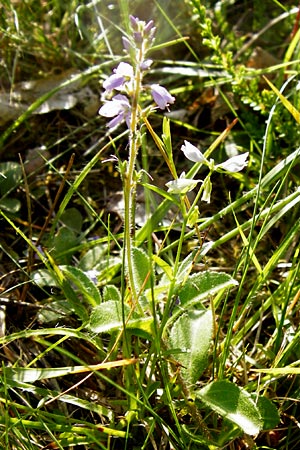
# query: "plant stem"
[[130, 186]]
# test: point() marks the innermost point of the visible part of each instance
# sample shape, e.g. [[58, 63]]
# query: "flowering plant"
[[183, 326], [183, 185], [127, 78]]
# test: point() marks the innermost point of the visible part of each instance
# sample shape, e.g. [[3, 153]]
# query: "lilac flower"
[[142, 31], [234, 164], [134, 22], [119, 108], [192, 153], [141, 26], [127, 45], [120, 79], [145, 65], [161, 96], [148, 28]]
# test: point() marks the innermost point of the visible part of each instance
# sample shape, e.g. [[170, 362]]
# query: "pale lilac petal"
[[138, 37], [124, 69], [127, 44], [149, 26], [119, 108], [115, 81], [122, 73], [234, 164], [192, 153], [116, 120], [134, 21], [161, 96], [110, 109], [145, 65]]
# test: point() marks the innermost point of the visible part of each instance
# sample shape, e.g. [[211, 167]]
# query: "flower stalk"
[[127, 79]]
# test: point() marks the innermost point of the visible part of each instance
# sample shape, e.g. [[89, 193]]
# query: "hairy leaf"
[[190, 337], [232, 403]]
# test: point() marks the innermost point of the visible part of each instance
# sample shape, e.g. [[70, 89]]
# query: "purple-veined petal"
[[192, 153], [234, 164], [161, 96], [115, 106], [110, 109]]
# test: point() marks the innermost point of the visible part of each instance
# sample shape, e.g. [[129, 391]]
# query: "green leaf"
[[85, 286], [199, 286], [190, 337], [167, 137], [142, 269], [111, 292], [62, 243], [10, 205], [44, 277], [167, 268], [232, 403], [107, 318], [287, 104], [57, 310], [268, 412], [11, 174], [97, 259], [92, 257], [72, 219]]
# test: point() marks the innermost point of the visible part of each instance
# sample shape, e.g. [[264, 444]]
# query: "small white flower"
[[192, 153], [234, 164], [182, 185]]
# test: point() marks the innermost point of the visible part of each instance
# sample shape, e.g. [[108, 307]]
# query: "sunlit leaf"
[[108, 318], [85, 286], [232, 403]]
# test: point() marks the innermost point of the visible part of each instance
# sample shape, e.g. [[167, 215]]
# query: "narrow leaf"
[[30, 375], [287, 104]]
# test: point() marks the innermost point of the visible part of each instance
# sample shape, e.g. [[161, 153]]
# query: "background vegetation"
[[79, 371]]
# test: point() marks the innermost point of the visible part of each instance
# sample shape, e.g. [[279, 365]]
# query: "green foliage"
[[160, 330], [110, 316], [190, 340], [10, 177], [236, 405]]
